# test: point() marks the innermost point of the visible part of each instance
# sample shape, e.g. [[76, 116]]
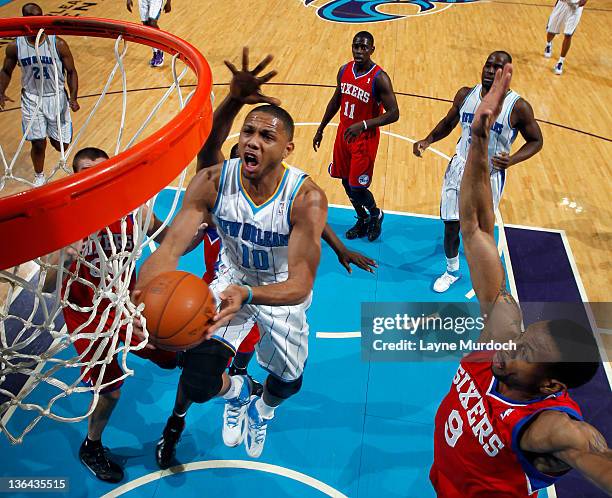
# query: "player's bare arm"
[[245, 88], [308, 218], [129, 4], [331, 110], [445, 126], [478, 219], [10, 61], [346, 257], [383, 90], [567, 443], [72, 77], [523, 120], [199, 199]]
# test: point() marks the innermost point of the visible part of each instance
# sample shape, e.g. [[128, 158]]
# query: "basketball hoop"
[[90, 207], [129, 178]]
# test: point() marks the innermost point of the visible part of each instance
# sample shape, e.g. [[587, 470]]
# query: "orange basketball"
[[179, 308]]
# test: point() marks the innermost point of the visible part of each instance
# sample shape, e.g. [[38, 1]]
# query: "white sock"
[[265, 410], [548, 44], [452, 264], [561, 60], [237, 381]]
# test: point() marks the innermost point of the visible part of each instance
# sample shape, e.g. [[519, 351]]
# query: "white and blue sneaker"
[[443, 283], [234, 416], [256, 430]]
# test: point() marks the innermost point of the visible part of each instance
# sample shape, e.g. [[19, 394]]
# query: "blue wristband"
[[250, 296]]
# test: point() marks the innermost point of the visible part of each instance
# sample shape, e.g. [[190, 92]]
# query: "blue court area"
[[356, 428]]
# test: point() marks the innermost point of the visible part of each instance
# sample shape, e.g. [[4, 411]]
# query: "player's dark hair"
[[26, 7], [504, 53], [579, 353], [280, 113], [91, 153], [365, 34], [234, 152]]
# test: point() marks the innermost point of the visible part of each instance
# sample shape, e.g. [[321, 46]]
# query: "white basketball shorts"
[[45, 119], [283, 347], [150, 9], [565, 15]]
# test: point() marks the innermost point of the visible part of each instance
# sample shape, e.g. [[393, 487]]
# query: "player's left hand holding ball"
[[232, 299]]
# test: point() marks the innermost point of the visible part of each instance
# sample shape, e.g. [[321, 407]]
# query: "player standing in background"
[[508, 426], [42, 107], [363, 90], [150, 10], [516, 116], [566, 14]]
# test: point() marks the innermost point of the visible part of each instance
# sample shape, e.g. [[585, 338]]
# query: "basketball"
[[178, 308]]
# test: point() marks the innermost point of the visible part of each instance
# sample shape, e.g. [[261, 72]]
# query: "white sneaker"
[[548, 51], [443, 283], [234, 417], [256, 431], [559, 68], [39, 179]]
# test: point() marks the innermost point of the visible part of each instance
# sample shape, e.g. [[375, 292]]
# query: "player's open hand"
[[316, 141], [232, 299], [491, 105], [3, 100], [419, 147], [246, 85], [353, 131], [129, 4], [348, 258], [501, 161]]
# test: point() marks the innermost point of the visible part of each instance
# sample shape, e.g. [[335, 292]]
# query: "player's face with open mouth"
[[263, 144]]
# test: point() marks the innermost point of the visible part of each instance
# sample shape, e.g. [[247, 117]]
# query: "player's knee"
[[282, 389], [347, 187], [451, 229], [360, 195], [203, 367], [113, 395], [201, 388], [39, 144]]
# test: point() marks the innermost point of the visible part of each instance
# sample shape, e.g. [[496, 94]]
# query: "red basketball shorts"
[[355, 161]]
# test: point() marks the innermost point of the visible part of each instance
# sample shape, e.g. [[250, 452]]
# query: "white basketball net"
[[35, 348]]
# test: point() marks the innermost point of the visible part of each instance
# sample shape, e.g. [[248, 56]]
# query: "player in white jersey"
[[565, 14], [516, 117], [43, 103], [150, 10], [270, 218]]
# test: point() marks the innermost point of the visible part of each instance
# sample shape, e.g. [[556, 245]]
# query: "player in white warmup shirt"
[[150, 10], [41, 102], [565, 15], [515, 117], [270, 218]]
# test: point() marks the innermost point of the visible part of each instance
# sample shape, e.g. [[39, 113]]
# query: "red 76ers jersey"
[[477, 435], [358, 101]]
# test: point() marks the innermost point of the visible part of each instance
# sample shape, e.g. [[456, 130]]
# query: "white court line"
[[338, 335], [227, 464]]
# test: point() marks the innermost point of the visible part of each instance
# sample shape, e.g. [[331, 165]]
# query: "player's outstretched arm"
[[199, 198], [445, 126], [347, 257], [524, 121], [72, 77], [308, 217], [245, 88], [10, 61], [575, 443], [477, 221], [332, 108], [383, 89]]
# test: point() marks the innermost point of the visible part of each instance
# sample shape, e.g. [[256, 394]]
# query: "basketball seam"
[[161, 315], [192, 317]]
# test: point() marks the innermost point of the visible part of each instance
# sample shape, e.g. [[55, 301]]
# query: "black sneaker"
[[166, 447], [375, 226], [95, 458], [360, 229], [257, 389]]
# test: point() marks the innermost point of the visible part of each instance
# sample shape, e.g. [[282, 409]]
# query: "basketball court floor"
[[359, 428]]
